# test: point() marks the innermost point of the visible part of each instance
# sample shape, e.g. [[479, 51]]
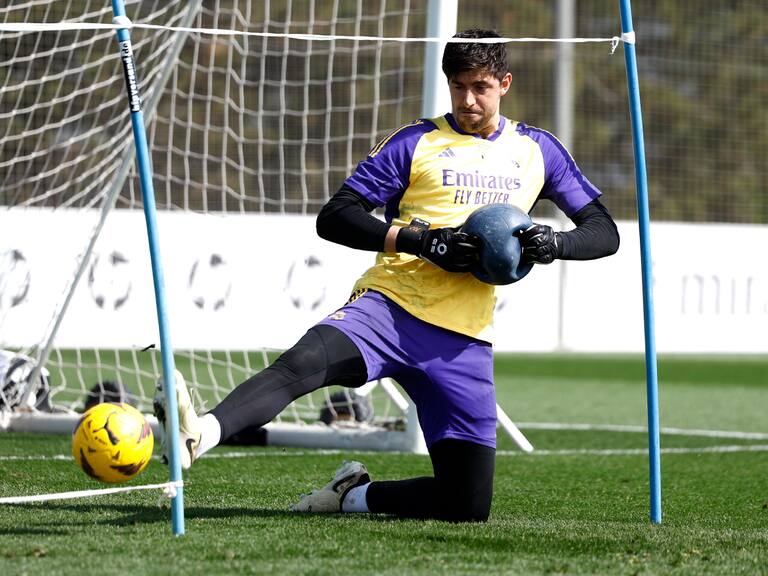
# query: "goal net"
[[249, 134]]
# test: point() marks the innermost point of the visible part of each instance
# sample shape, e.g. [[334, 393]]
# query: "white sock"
[[210, 434], [355, 501]]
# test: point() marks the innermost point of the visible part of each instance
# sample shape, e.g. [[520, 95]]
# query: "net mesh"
[[702, 78], [248, 124], [285, 119], [241, 125]]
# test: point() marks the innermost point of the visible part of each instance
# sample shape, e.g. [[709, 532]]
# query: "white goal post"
[[247, 134]]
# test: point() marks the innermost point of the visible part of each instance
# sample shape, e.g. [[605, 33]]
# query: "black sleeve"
[[346, 219], [595, 234]]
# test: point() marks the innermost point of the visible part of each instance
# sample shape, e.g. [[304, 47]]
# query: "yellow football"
[[112, 442]]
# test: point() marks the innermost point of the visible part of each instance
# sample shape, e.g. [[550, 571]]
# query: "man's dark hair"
[[460, 57]]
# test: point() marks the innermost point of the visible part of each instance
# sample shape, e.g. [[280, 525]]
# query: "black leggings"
[[322, 357], [460, 491], [462, 486]]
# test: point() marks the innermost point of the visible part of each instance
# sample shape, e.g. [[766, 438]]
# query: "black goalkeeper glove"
[[540, 244], [444, 247]]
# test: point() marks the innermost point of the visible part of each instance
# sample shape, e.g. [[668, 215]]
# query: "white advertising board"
[[252, 281], [710, 292]]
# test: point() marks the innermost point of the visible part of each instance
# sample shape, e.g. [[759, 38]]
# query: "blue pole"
[[150, 215], [643, 214]]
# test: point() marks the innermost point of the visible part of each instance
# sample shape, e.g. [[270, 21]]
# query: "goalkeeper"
[[417, 314]]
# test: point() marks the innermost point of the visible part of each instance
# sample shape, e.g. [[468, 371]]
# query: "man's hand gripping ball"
[[540, 244], [447, 248]]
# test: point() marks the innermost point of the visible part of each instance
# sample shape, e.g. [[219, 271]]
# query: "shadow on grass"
[[60, 519]]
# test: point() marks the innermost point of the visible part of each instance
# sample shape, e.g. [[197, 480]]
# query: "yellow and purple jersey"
[[431, 169]]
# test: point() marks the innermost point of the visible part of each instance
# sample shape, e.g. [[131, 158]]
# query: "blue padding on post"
[[150, 215], [643, 214]]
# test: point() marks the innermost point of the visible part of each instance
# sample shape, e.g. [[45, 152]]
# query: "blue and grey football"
[[497, 226]]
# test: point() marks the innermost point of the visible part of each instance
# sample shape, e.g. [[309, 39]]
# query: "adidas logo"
[[447, 153]]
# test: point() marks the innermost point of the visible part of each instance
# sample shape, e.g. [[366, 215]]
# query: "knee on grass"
[[474, 507]]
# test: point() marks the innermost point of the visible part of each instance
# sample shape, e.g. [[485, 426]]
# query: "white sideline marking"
[[213, 455], [570, 452], [36, 457], [638, 451], [629, 428], [734, 434]]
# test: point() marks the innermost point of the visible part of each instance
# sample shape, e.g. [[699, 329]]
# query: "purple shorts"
[[449, 376]]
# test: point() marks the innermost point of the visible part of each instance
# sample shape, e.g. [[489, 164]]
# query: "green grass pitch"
[[578, 505]]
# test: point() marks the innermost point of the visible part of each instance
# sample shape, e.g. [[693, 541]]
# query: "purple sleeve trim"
[[384, 175], [564, 183]]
